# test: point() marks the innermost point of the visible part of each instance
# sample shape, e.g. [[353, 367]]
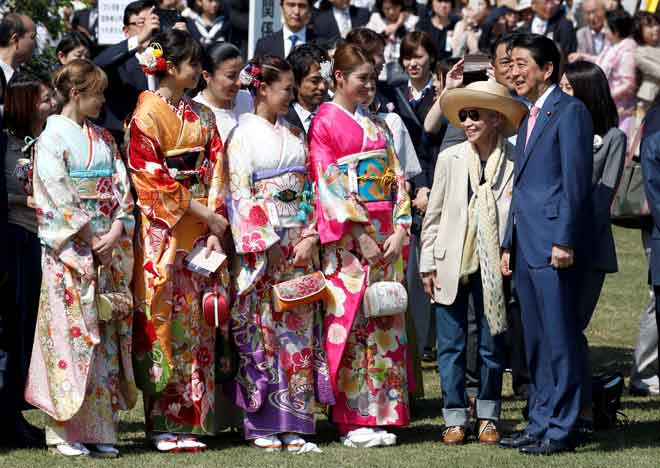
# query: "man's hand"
[[505, 263], [150, 28], [562, 257], [428, 280]]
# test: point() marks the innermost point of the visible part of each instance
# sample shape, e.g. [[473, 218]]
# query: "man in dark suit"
[[126, 79], [650, 158], [547, 242], [338, 20], [550, 21], [86, 21], [296, 15], [311, 85]]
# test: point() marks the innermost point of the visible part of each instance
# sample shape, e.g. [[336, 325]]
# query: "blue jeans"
[[451, 326]]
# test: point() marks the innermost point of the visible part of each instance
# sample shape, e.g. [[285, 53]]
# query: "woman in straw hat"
[[464, 222]]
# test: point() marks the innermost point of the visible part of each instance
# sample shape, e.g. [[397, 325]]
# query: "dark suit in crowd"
[[326, 26], [273, 44], [560, 30], [126, 80], [551, 206], [650, 158]]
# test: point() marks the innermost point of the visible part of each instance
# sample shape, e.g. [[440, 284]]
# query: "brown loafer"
[[488, 433], [454, 435]]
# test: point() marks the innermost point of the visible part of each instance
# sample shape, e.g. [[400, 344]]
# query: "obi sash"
[[284, 194], [370, 177], [95, 184], [184, 163]]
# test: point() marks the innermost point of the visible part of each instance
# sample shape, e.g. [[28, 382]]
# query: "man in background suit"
[[86, 21], [337, 21], [311, 87], [126, 79], [548, 236], [296, 15], [550, 21], [591, 37]]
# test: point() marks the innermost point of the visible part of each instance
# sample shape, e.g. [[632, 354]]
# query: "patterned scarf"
[[482, 243]]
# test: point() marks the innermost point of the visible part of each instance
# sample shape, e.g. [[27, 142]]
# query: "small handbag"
[[630, 209], [110, 304], [385, 298], [215, 307], [300, 291]]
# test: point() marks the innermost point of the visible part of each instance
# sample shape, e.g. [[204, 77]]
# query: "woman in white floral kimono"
[[282, 367], [81, 373]]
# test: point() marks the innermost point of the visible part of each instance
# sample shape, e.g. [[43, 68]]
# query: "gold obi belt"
[[285, 193], [95, 184], [370, 177]]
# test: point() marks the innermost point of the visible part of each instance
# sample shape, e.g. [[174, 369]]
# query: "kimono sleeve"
[[336, 206], [402, 214], [248, 216], [59, 209], [160, 196], [218, 186], [122, 186]]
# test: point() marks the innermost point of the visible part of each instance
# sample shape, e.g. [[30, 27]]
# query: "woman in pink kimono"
[[81, 372], [618, 64], [363, 218]]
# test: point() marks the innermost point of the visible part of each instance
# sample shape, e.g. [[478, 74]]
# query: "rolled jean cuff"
[[455, 416], [489, 409]]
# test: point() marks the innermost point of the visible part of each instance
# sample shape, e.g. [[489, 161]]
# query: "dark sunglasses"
[[464, 114]]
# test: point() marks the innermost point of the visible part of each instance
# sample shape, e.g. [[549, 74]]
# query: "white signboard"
[[264, 19], [111, 21]]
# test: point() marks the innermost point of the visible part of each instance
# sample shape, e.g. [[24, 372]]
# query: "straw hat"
[[488, 95]]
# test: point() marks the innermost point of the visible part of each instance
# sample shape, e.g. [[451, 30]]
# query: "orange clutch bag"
[[299, 291]]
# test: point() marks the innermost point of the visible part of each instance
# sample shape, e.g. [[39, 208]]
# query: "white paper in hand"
[[197, 262]]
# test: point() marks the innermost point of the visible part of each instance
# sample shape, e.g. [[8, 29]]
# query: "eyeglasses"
[[473, 114], [136, 23]]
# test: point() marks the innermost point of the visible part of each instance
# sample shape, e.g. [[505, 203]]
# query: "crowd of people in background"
[[233, 234]]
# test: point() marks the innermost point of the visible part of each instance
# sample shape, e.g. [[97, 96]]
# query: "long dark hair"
[[590, 86], [21, 102]]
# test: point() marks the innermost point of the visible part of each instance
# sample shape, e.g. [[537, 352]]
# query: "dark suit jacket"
[[426, 144], [561, 31], [294, 120], [326, 26], [240, 23], [223, 34], [273, 44], [552, 183], [81, 18], [126, 81], [650, 158], [608, 168]]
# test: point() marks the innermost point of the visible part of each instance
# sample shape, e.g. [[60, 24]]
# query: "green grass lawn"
[[613, 333]]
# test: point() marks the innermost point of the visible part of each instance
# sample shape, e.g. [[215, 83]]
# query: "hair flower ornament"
[[326, 69], [249, 77], [152, 59]]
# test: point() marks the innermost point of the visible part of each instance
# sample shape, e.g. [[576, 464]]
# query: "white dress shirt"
[[343, 19], [541, 100], [599, 40], [301, 38], [539, 26], [7, 69], [304, 115]]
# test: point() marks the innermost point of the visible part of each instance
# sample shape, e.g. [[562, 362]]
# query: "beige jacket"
[[647, 60], [445, 221]]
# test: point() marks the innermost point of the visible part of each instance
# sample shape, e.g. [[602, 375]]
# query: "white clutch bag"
[[385, 298]]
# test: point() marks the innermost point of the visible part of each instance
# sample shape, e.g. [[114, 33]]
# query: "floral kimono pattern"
[[367, 357], [81, 372], [282, 365], [174, 156]]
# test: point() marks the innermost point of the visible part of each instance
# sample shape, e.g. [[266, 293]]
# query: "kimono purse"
[[112, 305], [216, 308], [299, 291], [385, 298]]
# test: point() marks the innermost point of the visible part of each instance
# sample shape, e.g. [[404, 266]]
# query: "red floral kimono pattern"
[[174, 354]]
